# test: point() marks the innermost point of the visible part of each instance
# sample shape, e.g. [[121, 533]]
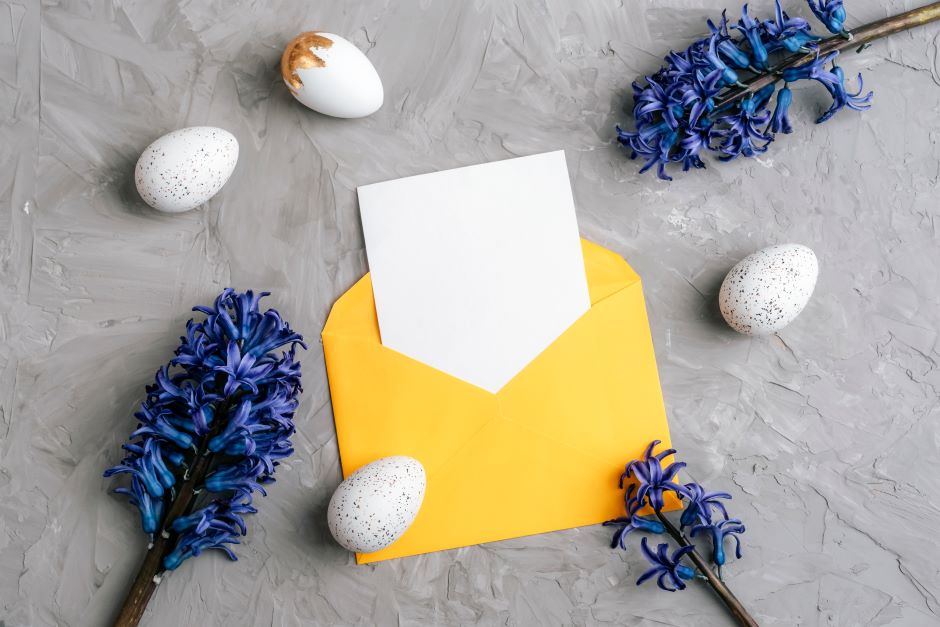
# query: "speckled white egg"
[[377, 503], [330, 75], [185, 168], [765, 291]]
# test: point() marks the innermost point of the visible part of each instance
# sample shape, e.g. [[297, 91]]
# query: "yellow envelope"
[[542, 454]]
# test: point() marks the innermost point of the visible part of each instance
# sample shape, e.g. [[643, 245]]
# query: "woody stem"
[[737, 610], [859, 37], [148, 577]]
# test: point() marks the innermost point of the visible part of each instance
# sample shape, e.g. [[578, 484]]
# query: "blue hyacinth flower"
[[632, 522], [670, 571], [789, 33], [219, 515], [699, 96], [701, 504], [241, 479], [652, 480], [158, 422], [740, 133], [729, 76], [626, 524], [780, 122], [784, 26], [842, 98], [831, 13], [726, 46], [191, 544], [718, 532], [814, 69], [151, 509], [754, 33]]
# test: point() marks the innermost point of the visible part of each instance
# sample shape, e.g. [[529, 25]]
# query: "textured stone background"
[[826, 435]]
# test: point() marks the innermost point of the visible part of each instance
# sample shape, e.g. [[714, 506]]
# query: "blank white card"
[[476, 270]]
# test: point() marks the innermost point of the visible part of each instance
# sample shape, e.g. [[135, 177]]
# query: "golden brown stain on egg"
[[298, 54]]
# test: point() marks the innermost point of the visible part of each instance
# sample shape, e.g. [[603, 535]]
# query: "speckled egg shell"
[[331, 75], [376, 504], [185, 168], [765, 291]]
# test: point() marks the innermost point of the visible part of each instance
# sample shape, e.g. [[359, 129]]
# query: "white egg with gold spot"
[[331, 75]]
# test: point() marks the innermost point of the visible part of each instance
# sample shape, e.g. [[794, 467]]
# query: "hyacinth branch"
[[151, 571], [858, 38], [647, 482], [210, 433], [734, 606], [715, 96]]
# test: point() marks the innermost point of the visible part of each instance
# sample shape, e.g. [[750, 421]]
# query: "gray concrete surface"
[[826, 435]]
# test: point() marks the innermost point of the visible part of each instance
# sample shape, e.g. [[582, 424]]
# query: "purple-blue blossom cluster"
[[650, 482], [229, 393], [675, 111]]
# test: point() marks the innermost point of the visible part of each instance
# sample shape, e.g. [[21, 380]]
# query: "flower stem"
[[151, 571], [734, 606], [859, 38], [149, 575]]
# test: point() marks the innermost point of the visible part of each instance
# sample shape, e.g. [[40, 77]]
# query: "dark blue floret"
[[191, 544], [241, 479], [632, 521], [755, 34], [626, 524], [731, 527], [829, 12], [740, 132], [717, 63], [814, 69], [669, 569], [652, 480], [699, 96], [701, 504], [780, 122], [151, 509], [791, 33], [726, 45], [218, 515], [842, 98]]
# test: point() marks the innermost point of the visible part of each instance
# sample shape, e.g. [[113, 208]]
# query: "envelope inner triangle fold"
[[477, 270]]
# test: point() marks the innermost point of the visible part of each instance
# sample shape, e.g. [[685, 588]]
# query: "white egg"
[[765, 291], [185, 168], [330, 75], [377, 503]]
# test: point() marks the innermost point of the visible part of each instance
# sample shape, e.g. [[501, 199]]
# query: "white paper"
[[476, 270]]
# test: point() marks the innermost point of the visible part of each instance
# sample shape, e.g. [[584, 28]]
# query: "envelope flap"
[[353, 314], [607, 272]]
